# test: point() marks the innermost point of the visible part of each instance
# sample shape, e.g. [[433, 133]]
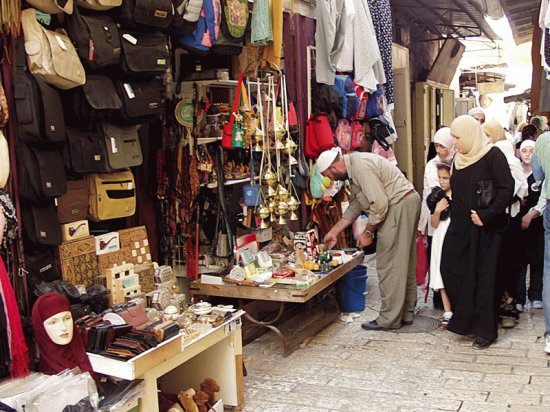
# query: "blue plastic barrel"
[[350, 290]]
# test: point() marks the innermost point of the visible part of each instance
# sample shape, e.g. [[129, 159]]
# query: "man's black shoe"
[[407, 322], [372, 325], [481, 343]]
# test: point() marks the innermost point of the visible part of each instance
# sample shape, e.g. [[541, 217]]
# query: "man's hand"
[[476, 220], [364, 240], [330, 239], [526, 220]]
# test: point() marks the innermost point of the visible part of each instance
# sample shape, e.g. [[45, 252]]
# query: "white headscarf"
[[472, 138], [444, 138], [476, 110]]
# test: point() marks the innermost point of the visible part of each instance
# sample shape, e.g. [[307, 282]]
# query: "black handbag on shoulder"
[[485, 194]]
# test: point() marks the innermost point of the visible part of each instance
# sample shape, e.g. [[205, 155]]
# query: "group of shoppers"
[[482, 204]]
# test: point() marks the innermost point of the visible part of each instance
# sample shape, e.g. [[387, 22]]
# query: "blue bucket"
[[350, 290]]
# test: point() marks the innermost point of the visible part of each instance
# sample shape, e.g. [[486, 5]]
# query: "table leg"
[[255, 323], [149, 401]]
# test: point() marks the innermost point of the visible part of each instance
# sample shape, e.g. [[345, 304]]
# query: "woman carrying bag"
[[482, 189]]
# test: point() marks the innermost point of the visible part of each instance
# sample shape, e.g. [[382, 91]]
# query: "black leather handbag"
[[485, 194], [41, 225], [87, 151], [146, 14]]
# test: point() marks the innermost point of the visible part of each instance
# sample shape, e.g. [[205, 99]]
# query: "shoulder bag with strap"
[[112, 195], [143, 101], [186, 16], [235, 18], [41, 225], [96, 39], [73, 205], [99, 4], [87, 151], [123, 146], [53, 6], [144, 54], [156, 14], [50, 55]]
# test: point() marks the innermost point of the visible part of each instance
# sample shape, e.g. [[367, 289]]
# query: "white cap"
[[476, 110], [326, 158]]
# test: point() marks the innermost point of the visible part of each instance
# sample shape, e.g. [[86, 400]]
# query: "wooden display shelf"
[[179, 364]]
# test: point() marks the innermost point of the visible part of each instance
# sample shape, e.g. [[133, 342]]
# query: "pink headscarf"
[[444, 138]]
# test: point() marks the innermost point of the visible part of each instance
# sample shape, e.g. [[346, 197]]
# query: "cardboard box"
[[78, 262], [106, 243], [75, 230]]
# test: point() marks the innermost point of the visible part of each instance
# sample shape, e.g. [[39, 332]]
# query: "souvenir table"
[[180, 363], [323, 287]]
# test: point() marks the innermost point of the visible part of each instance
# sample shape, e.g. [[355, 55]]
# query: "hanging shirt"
[[329, 38], [369, 70], [345, 62]]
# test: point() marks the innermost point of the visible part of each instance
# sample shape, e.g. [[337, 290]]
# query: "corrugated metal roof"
[[443, 18], [520, 14]]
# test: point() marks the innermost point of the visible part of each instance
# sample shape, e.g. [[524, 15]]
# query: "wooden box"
[[110, 260], [146, 272], [135, 245], [77, 261]]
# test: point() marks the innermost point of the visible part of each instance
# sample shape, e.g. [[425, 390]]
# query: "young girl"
[[439, 203]]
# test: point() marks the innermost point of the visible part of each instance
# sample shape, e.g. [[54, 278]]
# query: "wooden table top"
[[296, 295]]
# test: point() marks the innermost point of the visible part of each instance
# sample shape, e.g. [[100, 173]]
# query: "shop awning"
[[521, 14], [444, 18]]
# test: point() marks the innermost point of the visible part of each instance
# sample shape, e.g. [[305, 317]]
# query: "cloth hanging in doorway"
[[369, 70], [273, 52], [345, 62], [261, 32], [381, 18]]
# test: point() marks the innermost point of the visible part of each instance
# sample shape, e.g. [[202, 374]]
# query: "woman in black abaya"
[[472, 243]]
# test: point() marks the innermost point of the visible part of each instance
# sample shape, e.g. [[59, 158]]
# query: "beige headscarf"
[[472, 139], [494, 131]]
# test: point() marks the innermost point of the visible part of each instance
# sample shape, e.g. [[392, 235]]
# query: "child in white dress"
[[439, 203]]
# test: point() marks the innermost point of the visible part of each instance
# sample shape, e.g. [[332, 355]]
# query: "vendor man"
[[380, 189]]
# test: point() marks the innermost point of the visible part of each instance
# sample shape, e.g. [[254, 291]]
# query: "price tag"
[[130, 38], [61, 42], [130, 186], [114, 149], [129, 90]]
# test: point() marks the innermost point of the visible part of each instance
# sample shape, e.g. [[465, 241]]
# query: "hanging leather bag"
[[186, 16], [112, 195], [87, 151], [94, 102], [52, 6], [99, 4], [41, 226], [143, 101], [38, 106], [73, 205], [96, 39], [144, 54], [50, 55], [146, 14], [41, 173], [123, 146]]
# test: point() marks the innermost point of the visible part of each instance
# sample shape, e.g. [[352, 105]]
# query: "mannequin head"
[[59, 327], [60, 344]]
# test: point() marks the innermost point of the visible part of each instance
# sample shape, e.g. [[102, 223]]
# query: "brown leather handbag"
[[134, 315]]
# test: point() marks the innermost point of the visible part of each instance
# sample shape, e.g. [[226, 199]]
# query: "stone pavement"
[[345, 368]]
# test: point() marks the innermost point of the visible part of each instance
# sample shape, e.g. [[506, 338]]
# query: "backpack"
[[94, 102], [227, 46], [235, 18], [186, 15], [343, 134], [112, 195], [96, 39], [146, 14], [50, 55], [144, 54], [207, 31], [40, 173], [348, 97], [143, 101], [319, 136]]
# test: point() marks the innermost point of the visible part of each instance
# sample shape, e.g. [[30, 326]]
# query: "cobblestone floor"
[[345, 368]]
